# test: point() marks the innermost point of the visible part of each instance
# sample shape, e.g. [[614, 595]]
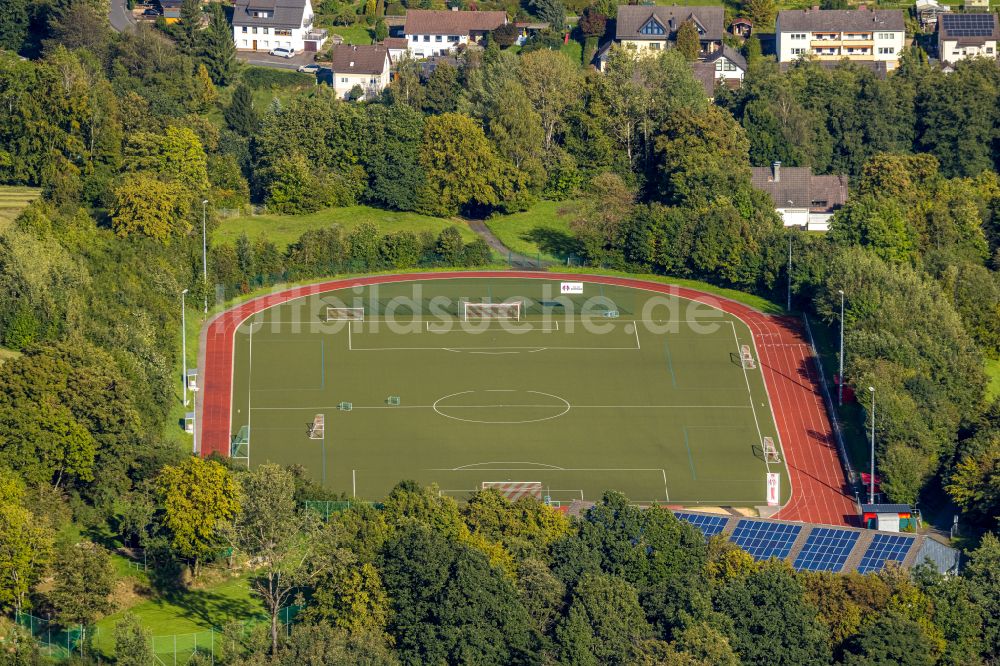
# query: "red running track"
[[786, 359]]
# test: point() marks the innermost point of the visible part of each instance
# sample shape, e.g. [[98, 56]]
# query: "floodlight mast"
[[871, 479]]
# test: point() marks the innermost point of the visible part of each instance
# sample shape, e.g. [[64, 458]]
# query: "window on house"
[[655, 46], [414, 38], [718, 65], [729, 67], [343, 79], [453, 39], [989, 49], [427, 38], [438, 38], [244, 42], [798, 35], [244, 30], [885, 35], [798, 51], [886, 50], [652, 27], [265, 30], [255, 30]]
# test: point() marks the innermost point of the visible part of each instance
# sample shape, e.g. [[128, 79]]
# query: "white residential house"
[[262, 25], [800, 198], [364, 66], [433, 33], [650, 29], [860, 34], [730, 66], [962, 36]]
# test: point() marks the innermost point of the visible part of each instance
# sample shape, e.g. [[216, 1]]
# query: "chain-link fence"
[[54, 641], [327, 508], [59, 644]]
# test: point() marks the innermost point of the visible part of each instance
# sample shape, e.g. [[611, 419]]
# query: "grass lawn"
[[284, 230], [688, 409], [7, 353], [185, 613], [353, 34], [993, 376], [538, 231], [13, 200], [573, 50]]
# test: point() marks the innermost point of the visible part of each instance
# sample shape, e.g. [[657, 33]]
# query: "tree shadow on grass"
[[555, 242], [213, 609]]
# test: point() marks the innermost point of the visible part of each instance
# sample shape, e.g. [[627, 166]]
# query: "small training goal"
[[345, 314], [771, 454], [490, 311], [746, 356]]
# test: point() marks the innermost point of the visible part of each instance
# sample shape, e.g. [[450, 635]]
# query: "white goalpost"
[[345, 314], [746, 356], [490, 311]]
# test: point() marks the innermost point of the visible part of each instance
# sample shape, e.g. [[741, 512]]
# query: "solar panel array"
[[826, 549], [884, 548], [968, 25], [764, 540], [709, 525]]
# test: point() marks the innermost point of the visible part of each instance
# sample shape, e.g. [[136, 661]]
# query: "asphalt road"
[[120, 16]]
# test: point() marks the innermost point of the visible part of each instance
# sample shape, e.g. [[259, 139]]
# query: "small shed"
[[741, 27], [887, 517], [189, 423], [192, 379]]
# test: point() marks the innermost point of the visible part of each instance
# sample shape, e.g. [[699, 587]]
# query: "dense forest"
[[128, 134]]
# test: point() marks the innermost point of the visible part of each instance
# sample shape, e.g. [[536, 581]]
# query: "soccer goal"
[[747, 357], [490, 311], [316, 428], [345, 314], [515, 490], [239, 446], [771, 451]]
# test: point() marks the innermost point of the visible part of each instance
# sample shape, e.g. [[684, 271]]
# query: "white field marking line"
[[398, 407], [354, 483], [543, 327], [249, 390], [666, 490], [497, 462], [746, 378], [635, 327]]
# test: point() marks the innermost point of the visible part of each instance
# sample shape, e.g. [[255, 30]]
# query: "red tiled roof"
[[434, 22]]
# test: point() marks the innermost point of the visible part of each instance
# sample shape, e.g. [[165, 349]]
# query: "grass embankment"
[[992, 368], [283, 230], [13, 200], [183, 613], [537, 232]]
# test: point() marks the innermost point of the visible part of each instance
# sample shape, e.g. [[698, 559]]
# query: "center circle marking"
[[563, 408]]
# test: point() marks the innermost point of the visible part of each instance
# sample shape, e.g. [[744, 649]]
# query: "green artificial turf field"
[[654, 402]]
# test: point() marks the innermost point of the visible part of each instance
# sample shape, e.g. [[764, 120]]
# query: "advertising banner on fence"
[[571, 288], [773, 489]]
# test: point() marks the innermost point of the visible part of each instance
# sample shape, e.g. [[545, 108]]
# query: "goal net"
[[345, 314], [515, 490], [239, 447], [491, 311], [316, 427], [771, 451]]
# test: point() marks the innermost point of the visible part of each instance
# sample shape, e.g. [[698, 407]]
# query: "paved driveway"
[[262, 59]]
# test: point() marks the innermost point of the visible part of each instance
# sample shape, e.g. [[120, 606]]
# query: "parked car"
[[311, 68], [282, 52], [151, 13]]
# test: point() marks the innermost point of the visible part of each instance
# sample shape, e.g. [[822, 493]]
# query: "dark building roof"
[[359, 59], [395, 42], [284, 13], [631, 19], [797, 187], [434, 22], [878, 67], [704, 72], [730, 54], [969, 29], [840, 20]]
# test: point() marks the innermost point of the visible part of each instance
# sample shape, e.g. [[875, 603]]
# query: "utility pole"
[[204, 252], [789, 306], [871, 480], [184, 363], [840, 384]]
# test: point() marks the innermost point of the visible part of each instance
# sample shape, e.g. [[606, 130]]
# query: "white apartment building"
[[962, 36], [434, 33], [364, 66], [834, 34], [262, 25]]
